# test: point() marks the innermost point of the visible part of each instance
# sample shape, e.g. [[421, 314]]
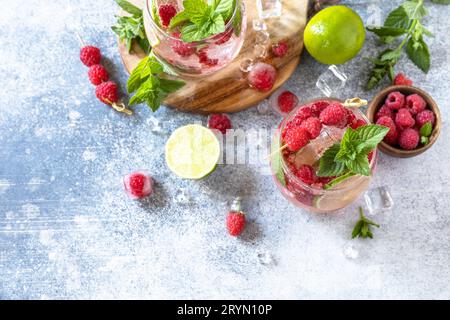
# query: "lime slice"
[[351, 188], [192, 152]]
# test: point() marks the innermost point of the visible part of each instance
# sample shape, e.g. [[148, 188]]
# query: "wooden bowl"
[[378, 101]]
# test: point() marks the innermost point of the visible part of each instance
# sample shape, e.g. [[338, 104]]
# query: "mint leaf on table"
[[362, 227], [148, 85], [441, 1], [403, 23], [130, 8]]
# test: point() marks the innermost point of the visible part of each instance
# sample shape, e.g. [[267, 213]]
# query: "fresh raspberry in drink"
[[313, 126], [307, 174], [395, 100], [205, 60], [166, 13], [296, 138], [138, 185], [180, 47], [262, 77], [415, 103], [318, 106], [424, 117], [287, 101], [334, 115]]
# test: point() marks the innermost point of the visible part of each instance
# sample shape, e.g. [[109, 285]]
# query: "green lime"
[[334, 35], [192, 151]]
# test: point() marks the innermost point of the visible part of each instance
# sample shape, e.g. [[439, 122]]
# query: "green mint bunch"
[[200, 20], [148, 84], [403, 23], [350, 156], [130, 28]]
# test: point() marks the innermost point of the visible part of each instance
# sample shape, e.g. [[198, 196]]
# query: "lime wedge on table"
[[192, 151]]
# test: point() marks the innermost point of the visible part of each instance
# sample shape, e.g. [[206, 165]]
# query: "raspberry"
[[388, 122], [296, 138], [415, 103], [98, 74], [350, 117], [205, 60], [287, 101], [280, 49], [313, 126], [400, 79], [90, 55], [166, 13], [223, 37], [334, 115], [306, 174], [107, 92], [358, 123], [325, 180], [409, 139], [318, 106], [404, 119], [370, 156], [180, 47], [392, 139], [236, 219], [219, 122], [262, 77], [384, 112], [302, 114], [395, 100], [424, 117], [138, 185]]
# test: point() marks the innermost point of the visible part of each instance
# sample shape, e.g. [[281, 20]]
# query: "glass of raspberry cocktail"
[[305, 139], [187, 52]]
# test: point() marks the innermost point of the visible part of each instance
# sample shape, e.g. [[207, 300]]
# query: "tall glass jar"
[[200, 58]]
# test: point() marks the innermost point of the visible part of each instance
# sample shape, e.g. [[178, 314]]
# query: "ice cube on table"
[[378, 200], [247, 65], [262, 37], [331, 81], [263, 107], [269, 8]]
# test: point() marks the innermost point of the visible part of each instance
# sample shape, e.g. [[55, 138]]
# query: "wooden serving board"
[[227, 90]]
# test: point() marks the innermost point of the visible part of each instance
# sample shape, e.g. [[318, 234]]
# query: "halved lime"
[[192, 151]]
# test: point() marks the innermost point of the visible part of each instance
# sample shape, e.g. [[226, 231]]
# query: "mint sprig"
[[131, 28], [362, 227], [404, 21], [350, 156], [200, 20], [148, 83]]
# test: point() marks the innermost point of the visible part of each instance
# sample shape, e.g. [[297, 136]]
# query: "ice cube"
[[263, 107], [259, 25], [331, 81], [265, 258], [269, 8], [262, 37], [378, 200], [350, 251], [247, 65], [260, 50]]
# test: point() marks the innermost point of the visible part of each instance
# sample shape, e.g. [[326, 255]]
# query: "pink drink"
[[314, 196], [195, 58]]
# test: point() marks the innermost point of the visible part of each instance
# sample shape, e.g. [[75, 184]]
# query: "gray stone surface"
[[67, 229]]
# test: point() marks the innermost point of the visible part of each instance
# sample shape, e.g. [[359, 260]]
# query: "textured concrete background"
[[67, 229]]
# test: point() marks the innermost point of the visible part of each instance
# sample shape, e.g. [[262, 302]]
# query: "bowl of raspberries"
[[412, 116]]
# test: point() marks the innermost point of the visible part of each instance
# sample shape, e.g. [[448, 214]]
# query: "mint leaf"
[[192, 32], [362, 227], [180, 18], [419, 54], [387, 31], [130, 8], [237, 21], [370, 136], [426, 129], [135, 79], [360, 165], [195, 8], [397, 19], [225, 8], [415, 9], [170, 86], [441, 1], [328, 167]]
